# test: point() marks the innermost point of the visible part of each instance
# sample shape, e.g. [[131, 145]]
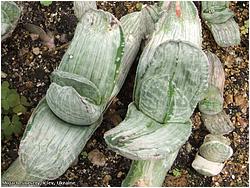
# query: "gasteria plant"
[[216, 148], [90, 75], [171, 78], [173, 75]]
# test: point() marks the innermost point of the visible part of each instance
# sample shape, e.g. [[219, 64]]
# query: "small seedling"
[[176, 172], [13, 105]]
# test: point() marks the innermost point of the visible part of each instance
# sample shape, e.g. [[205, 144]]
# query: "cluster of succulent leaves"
[[244, 28], [12, 105]]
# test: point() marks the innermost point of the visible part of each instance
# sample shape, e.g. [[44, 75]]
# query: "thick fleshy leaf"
[[205, 167], [148, 173], [16, 167], [81, 7], [96, 54], [213, 101], [173, 84], [216, 72], [218, 123], [10, 14], [219, 19], [215, 151], [139, 137], [89, 69], [134, 33], [69, 106], [49, 145]]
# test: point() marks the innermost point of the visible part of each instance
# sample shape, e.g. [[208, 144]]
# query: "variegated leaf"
[[173, 84], [219, 19], [218, 123], [216, 71], [49, 145], [16, 167], [187, 27], [149, 173], [81, 7], [213, 101], [88, 59], [139, 137]]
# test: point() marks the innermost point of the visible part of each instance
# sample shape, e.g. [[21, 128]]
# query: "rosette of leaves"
[[219, 19], [10, 14], [91, 73], [171, 78], [13, 105], [216, 149]]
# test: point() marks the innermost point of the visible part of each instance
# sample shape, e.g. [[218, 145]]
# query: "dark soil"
[[29, 74]]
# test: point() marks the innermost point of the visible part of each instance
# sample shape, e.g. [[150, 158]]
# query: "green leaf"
[[16, 124], [24, 101], [176, 172], [13, 99], [4, 92], [46, 3], [6, 120], [5, 104], [20, 109], [7, 131], [5, 84]]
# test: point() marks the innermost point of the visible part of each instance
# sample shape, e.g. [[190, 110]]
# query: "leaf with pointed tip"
[[134, 34]]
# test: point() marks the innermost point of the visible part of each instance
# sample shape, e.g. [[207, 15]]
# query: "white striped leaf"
[[217, 123], [213, 101], [187, 27], [81, 7], [49, 145], [148, 173], [139, 137], [216, 71], [219, 19], [95, 61], [173, 84]]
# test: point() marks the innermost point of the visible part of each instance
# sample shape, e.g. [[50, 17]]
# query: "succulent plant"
[[219, 19], [88, 78], [10, 14], [171, 79], [216, 148]]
